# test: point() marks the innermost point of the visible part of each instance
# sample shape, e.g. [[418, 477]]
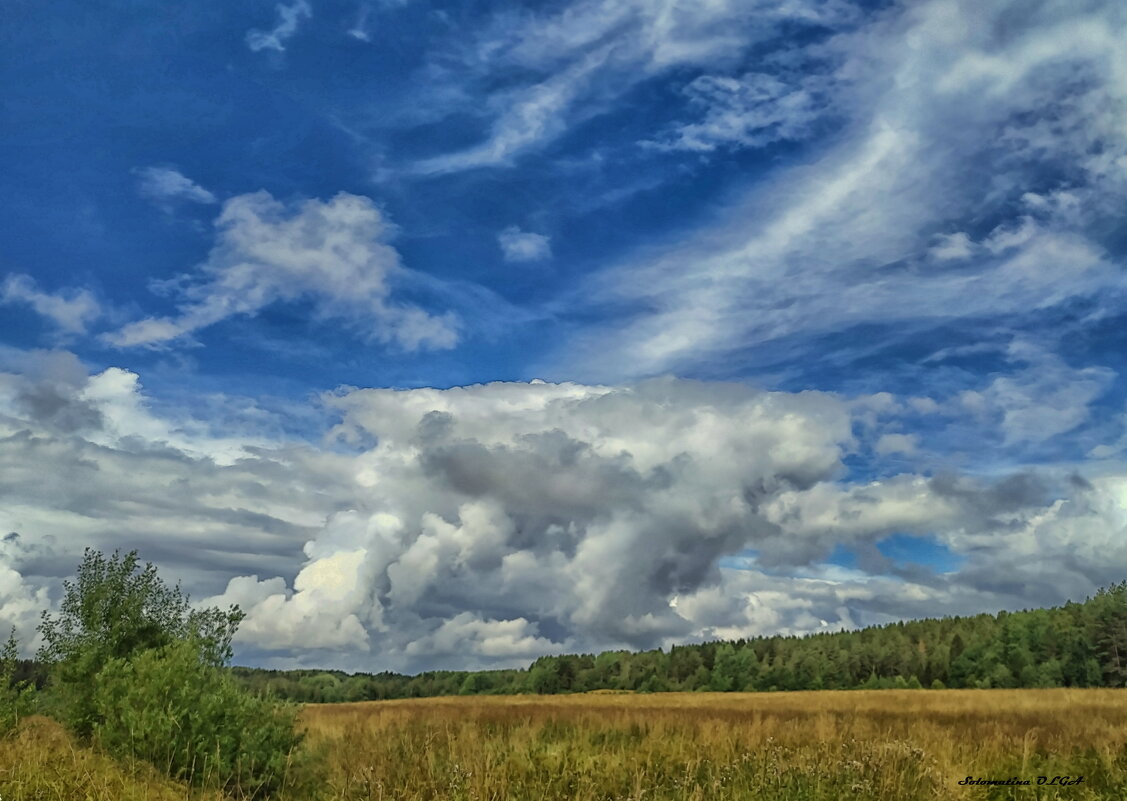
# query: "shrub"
[[191, 719]]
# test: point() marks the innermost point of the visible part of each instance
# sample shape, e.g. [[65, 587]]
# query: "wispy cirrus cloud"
[[952, 125], [164, 184], [751, 110], [289, 18], [592, 52]]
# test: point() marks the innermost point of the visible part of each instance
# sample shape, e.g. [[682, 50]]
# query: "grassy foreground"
[[816, 745], [825, 745]]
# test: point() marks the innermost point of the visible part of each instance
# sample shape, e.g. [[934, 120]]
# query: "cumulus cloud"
[[332, 253], [289, 17], [889, 444], [519, 246], [545, 515], [71, 310], [163, 184], [87, 461], [486, 525]]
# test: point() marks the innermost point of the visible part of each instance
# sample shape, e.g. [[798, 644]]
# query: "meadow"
[[880, 745]]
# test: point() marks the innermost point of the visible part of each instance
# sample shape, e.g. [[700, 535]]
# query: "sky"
[[450, 335]]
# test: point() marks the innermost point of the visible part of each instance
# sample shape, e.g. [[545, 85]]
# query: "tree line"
[[1075, 645]]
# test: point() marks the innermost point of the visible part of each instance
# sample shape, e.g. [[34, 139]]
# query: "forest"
[[1075, 645]]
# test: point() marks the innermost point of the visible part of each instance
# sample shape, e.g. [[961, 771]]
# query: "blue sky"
[[448, 336]]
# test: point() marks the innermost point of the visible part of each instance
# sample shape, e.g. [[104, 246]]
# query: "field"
[[597, 747], [824, 745]]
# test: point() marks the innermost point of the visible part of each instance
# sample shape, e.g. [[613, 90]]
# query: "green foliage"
[[175, 710], [17, 698], [135, 669], [116, 610]]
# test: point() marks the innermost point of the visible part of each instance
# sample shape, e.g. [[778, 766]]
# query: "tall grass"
[[880, 745], [801, 746]]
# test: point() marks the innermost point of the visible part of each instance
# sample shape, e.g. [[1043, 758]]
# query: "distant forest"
[[1077, 645]]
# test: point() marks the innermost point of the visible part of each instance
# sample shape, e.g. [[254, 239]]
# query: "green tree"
[[143, 675], [114, 609], [1109, 623]]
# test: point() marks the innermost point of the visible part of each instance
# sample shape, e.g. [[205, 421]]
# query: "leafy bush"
[[172, 709], [17, 699]]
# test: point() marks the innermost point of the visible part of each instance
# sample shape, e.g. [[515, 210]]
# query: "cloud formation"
[[289, 17], [490, 524], [520, 246], [592, 52], [943, 197], [163, 184], [332, 253], [71, 311], [752, 110]]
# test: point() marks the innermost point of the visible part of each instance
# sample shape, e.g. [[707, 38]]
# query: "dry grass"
[[825, 745], [42, 763], [880, 745]]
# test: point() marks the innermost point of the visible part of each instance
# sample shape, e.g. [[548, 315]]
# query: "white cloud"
[[333, 253], [518, 245], [530, 505], [750, 111], [889, 444], [954, 246], [164, 184], [493, 523], [495, 639], [529, 115], [70, 310], [359, 31], [592, 51], [289, 18], [1045, 398]]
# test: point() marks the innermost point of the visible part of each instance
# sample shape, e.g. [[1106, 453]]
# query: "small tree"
[[17, 699], [139, 672]]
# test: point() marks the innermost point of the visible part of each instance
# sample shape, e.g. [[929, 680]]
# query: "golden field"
[[887, 744]]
